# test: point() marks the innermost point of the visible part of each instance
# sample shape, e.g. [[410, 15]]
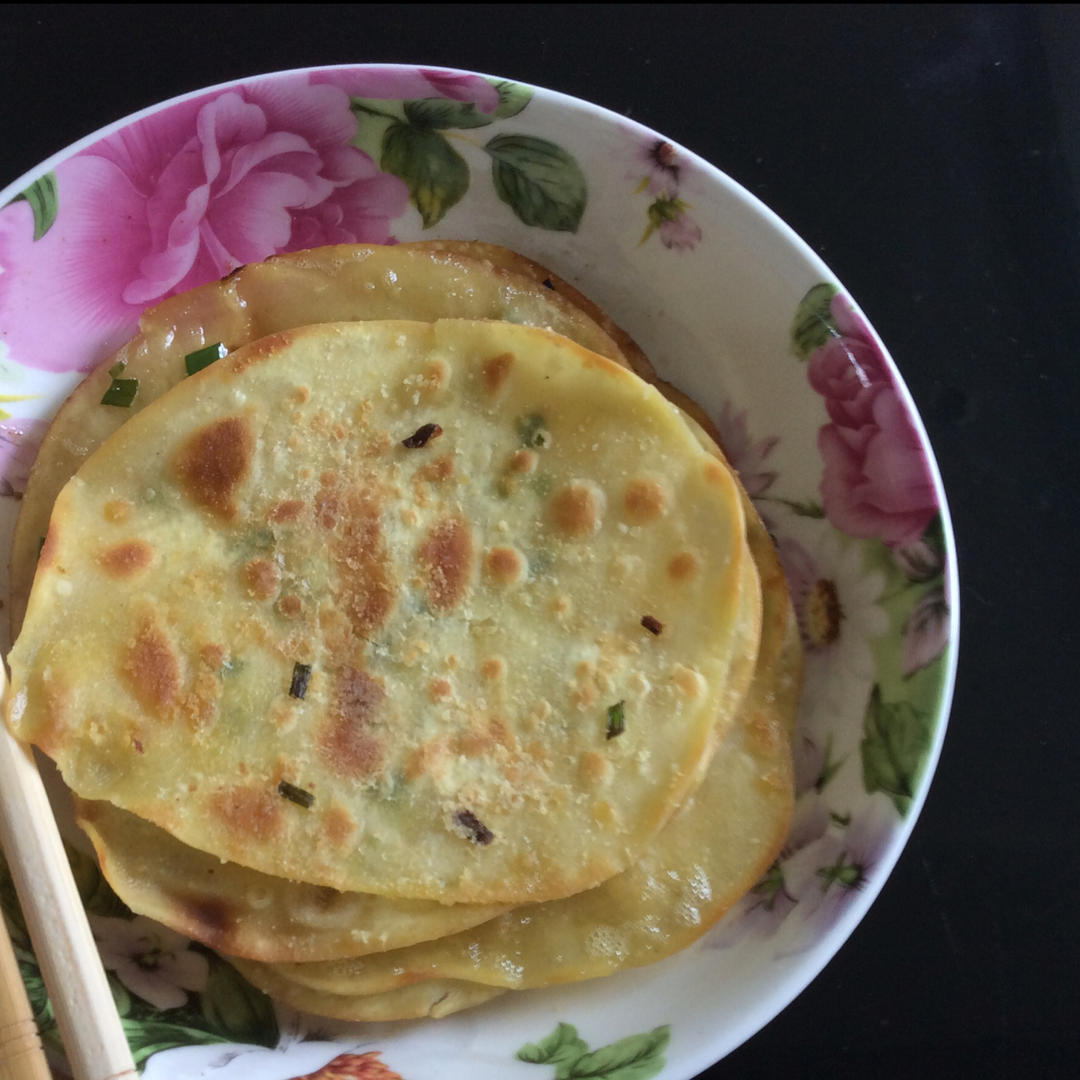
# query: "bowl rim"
[[813, 961]]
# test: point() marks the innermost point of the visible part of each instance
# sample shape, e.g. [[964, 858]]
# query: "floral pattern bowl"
[[730, 306]]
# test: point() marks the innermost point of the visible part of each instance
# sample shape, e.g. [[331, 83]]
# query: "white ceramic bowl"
[[729, 304]]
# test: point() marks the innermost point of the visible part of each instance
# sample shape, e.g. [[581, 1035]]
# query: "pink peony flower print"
[[876, 483], [151, 961], [180, 198], [19, 442], [746, 457]]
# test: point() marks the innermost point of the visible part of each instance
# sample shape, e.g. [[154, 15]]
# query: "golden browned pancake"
[[375, 598]]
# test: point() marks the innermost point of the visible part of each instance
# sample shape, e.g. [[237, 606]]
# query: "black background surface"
[[931, 155]]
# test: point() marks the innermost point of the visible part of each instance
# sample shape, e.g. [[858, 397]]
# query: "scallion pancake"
[[331, 284], [700, 865], [464, 613], [244, 913], [433, 998]]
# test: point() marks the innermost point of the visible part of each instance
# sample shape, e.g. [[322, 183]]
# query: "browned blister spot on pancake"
[[207, 919], [287, 510], [214, 655], [260, 350], [505, 565], [347, 743], [522, 461], [427, 759], [483, 738], [213, 463], [249, 812], [437, 471], [497, 371], [365, 586], [688, 681], [261, 578], [645, 499], [198, 705], [339, 825], [57, 709], [126, 559], [447, 558], [117, 510], [715, 473], [291, 606], [439, 689], [683, 566], [577, 509], [594, 768], [436, 374], [152, 668]]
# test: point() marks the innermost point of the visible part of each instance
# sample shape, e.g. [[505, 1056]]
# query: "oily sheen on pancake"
[[465, 612]]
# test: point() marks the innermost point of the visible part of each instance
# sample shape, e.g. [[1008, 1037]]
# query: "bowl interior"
[[729, 305]]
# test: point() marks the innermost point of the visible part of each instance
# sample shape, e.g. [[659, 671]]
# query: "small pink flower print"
[[926, 631], [181, 198], [19, 442], [656, 165], [876, 483], [920, 561], [826, 874], [153, 962], [678, 230], [746, 457]]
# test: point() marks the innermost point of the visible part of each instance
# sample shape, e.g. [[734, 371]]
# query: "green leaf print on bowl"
[[44, 202], [444, 113], [814, 323], [636, 1057], [896, 741], [542, 183], [436, 174]]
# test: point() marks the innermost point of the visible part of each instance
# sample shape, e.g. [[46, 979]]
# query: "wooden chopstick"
[[21, 1055], [89, 1026]]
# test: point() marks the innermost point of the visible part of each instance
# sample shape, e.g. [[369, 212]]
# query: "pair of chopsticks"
[[90, 1029]]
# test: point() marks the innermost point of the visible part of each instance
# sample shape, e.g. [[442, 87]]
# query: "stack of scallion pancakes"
[[399, 639]]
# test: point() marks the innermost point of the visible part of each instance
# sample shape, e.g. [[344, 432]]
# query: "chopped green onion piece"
[[531, 431], [200, 358], [474, 828], [118, 369], [121, 392], [422, 436], [616, 719], [296, 794], [300, 675]]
